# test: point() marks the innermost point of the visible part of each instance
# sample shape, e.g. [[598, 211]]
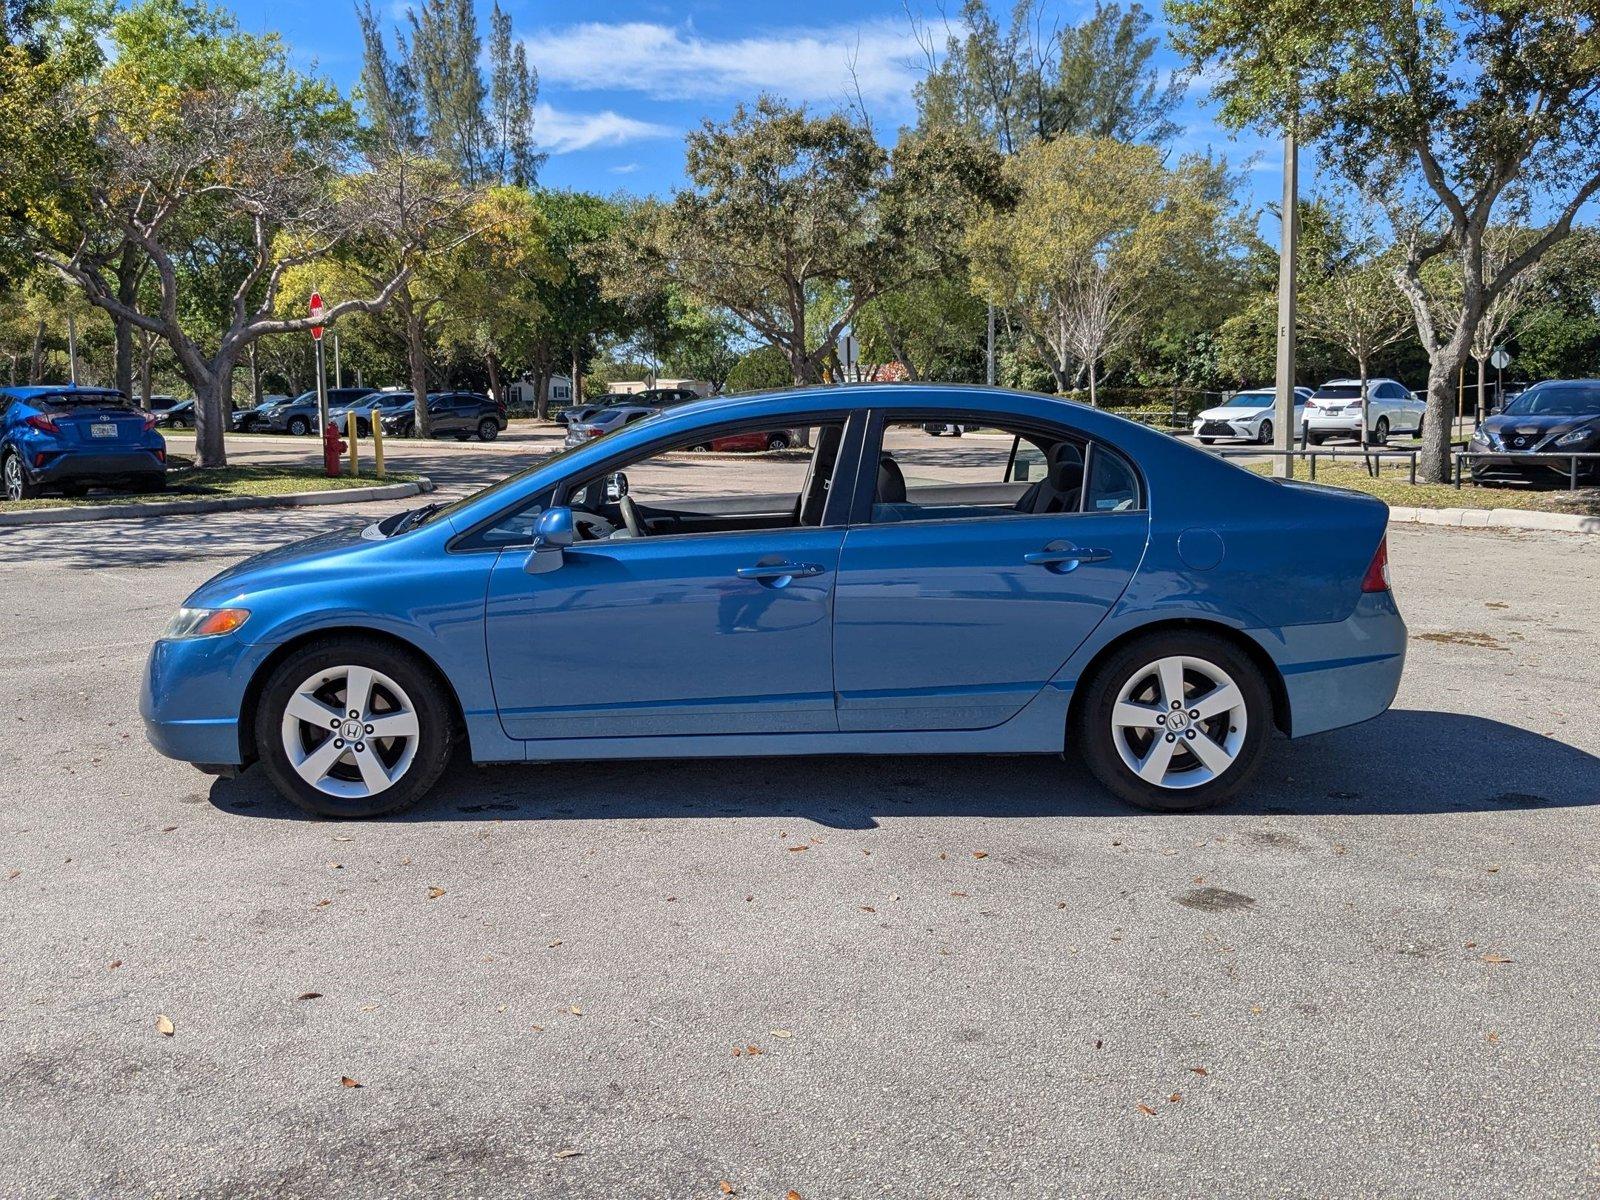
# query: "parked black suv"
[[297, 416], [459, 415]]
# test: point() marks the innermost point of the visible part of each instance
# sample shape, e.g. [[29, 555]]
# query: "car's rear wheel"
[[778, 441], [1264, 434], [1206, 441], [299, 426], [1174, 722], [1316, 439], [16, 481], [488, 430], [352, 727], [700, 448], [1380, 432]]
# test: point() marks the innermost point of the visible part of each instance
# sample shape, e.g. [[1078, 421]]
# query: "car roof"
[[31, 390], [1371, 379]]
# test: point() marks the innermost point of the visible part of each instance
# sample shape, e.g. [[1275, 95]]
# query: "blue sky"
[[622, 80]]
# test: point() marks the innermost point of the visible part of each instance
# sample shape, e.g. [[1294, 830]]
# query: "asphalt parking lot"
[[1375, 975]]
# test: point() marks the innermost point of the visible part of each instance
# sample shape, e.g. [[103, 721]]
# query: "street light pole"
[[1283, 406]]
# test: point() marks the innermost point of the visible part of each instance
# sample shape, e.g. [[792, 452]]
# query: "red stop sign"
[[316, 315]]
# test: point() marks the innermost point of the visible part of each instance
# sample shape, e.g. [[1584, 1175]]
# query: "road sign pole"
[[322, 389]]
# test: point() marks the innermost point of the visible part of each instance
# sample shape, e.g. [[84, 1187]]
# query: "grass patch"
[[193, 483], [1392, 485]]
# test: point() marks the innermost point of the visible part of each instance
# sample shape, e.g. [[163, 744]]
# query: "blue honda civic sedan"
[[1057, 579], [70, 439]]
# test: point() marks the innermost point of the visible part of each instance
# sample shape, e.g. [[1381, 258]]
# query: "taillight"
[[150, 422], [161, 456], [1377, 577], [42, 424]]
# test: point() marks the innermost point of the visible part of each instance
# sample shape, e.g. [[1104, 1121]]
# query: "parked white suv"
[[1248, 415], [1335, 411]]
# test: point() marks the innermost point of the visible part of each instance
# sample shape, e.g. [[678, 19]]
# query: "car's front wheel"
[[1174, 722], [778, 441], [352, 727], [1264, 434]]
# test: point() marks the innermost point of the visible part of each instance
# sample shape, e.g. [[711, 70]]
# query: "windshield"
[[1344, 391], [1556, 402], [1253, 400]]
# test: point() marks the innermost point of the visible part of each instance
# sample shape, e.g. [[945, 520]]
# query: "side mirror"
[[551, 537], [616, 487]]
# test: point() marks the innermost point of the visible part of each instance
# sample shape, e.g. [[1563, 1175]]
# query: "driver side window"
[[724, 482]]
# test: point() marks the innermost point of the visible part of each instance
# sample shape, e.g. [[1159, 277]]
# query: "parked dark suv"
[[297, 416], [459, 415]]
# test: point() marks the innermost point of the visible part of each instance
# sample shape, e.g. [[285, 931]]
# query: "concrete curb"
[[1497, 518], [176, 508]]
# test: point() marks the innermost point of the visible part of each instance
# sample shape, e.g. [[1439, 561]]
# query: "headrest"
[[891, 481], [1065, 476]]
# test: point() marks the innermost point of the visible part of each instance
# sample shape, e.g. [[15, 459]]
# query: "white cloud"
[[675, 63], [627, 168], [562, 132]]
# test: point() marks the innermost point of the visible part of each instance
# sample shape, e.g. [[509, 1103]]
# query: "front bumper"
[[193, 694], [1510, 465]]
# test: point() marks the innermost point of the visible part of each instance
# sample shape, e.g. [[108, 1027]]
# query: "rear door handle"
[[1066, 557], [783, 570]]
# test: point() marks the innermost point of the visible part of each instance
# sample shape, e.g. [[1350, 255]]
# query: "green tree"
[[1093, 223], [576, 310], [513, 91], [1460, 114], [784, 207], [763, 369], [444, 53], [207, 174]]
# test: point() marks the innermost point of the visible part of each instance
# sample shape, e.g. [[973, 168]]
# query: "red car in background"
[[771, 439]]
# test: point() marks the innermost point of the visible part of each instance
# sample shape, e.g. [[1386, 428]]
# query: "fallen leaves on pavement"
[[164, 1025], [435, 892], [346, 1081], [309, 996]]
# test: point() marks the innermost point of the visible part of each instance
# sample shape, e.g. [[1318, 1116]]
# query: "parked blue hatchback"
[[71, 439], [1057, 578]]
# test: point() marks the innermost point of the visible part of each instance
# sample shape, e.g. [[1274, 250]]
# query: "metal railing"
[[1517, 456], [1373, 456]]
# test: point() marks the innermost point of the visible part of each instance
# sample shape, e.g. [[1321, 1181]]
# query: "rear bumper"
[[1341, 424], [1344, 672], [72, 465]]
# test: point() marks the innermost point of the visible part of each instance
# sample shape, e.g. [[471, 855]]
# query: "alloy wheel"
[[13, 478], [350, 731], [1179, 722]]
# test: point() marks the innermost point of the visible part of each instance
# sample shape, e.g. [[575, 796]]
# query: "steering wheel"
[[631, 517], [590, 527]]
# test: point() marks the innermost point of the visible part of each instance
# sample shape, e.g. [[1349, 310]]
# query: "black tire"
[[702, 448], [1092, 731], [1420, 422], [488, 430], [14, 481], [1316, 439], [1380, 432], [778, 441], [299, 426], [1264, 434], [1206, 441], [435, 738]]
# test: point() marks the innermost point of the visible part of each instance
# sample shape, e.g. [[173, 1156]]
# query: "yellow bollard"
[[350, 432], [377, 445]]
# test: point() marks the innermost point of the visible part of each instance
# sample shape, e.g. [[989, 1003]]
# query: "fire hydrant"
[[333, 449]]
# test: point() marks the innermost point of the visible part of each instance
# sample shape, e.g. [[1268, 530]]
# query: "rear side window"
[[1113, 486]]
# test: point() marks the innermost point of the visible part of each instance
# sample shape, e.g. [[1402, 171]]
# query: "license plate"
[[103, 431]]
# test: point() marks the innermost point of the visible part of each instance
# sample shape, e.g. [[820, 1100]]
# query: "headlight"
[[1480, 438], [204, 622], [1576, 437]]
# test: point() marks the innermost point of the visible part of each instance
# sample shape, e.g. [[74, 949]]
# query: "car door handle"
[[1068, 556], [779, 571]]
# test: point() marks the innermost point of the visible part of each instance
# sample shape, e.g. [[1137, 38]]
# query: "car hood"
[[1539, 426], [1234, 413], [272, 567]]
